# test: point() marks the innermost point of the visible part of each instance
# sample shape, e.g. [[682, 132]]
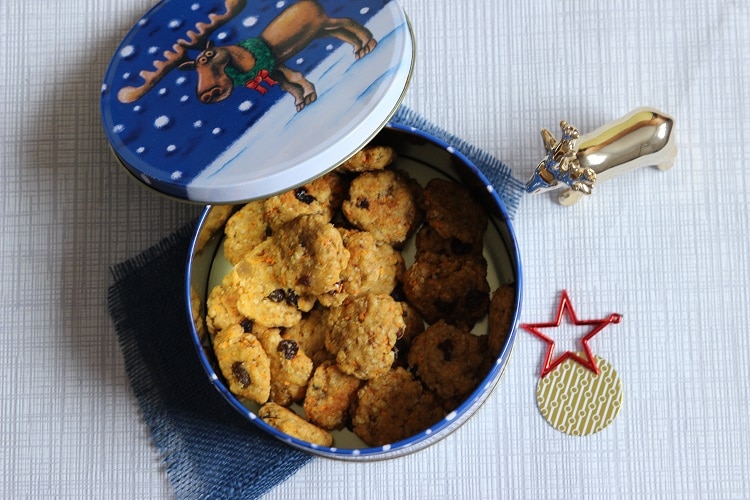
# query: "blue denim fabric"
[[210, 451]]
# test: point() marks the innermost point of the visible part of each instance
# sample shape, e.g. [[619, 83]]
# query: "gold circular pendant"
[[576, 400]]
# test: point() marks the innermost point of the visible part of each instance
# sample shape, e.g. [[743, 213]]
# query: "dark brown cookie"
[[393, 407], [447, 359], [428, 240], [414, 326], [502, 309], [450, 208], [454, 289]]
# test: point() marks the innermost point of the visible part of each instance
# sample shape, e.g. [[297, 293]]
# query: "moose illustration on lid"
[[221, 102]]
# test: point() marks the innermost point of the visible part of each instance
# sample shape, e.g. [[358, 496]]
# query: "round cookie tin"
[[226, 101], [423, 157]]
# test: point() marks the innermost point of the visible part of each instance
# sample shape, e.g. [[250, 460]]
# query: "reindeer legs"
[[352, 33], [297, 85]]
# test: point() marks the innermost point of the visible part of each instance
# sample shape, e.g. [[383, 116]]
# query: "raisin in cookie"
[[290, 423], [454, 289], [330, 394], [451, 210], [244, 363], [323, 196], [386, 203], [362, 333], [393, 407], [447, 359]]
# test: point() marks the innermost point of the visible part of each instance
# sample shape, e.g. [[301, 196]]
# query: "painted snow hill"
[[192, 129]]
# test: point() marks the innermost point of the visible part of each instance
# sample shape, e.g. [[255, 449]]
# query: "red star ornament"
[[566, 306]]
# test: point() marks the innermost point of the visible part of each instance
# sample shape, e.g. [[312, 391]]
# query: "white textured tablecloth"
[[668, 250]]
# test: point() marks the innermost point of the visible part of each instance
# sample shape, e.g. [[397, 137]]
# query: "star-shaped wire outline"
[[565, 305]]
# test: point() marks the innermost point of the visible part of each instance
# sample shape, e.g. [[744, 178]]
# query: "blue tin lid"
[[226, 101]]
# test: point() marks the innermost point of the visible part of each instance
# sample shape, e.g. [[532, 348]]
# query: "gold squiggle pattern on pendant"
[[577, 401]]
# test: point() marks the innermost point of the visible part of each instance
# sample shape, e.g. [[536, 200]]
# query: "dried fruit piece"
[[302, 195], [289, 348]]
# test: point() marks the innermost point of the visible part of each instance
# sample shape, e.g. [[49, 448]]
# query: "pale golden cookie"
[[262, 295], [310, 334], [370, 158], [393, 407], [362, 333], [215, 219], [386, 203], [323, 197], [312, 256], [245, 229], [196, 305], [290, 367], [290, 423], [329, 397], [374, 267], [244, 363], [221, 308]]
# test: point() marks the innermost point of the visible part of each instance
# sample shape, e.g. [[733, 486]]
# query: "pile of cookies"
[[321, 313]]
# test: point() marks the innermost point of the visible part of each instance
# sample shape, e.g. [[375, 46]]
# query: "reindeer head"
[[214, 84], [210, 58], [560, 164]]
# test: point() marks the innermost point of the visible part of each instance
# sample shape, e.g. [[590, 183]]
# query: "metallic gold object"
[[643, 137]]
